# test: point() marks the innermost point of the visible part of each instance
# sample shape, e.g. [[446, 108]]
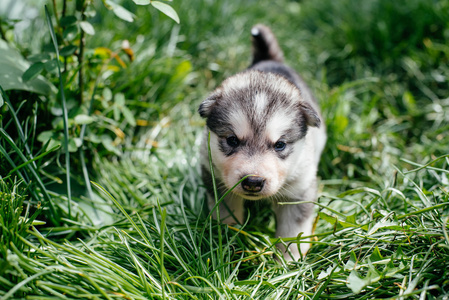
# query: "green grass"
[[141, 231]]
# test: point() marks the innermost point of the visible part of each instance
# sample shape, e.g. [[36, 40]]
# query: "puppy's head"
[[258, 122]]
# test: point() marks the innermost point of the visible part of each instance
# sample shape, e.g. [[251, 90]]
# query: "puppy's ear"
[[311, 116], [207, 105]]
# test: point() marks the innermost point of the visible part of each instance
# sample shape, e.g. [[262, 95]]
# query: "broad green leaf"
[[330, 270], [391, 270], [56, 110], [355, 283], [376, 256], [385, 225], [119, 99], [83, 119], [120, 11], [108, 144], [70, 33], [107, 94], [51, 66], [142, 2], [398, 254], [52, 138], [44, 136], [352, 261], [38, 57], [344, 224], [67, 21], [166, 10], [93, 138], [123, 14], [327, 218], [57, 123], [351, 219], [129, 116], [116, 111], [87, 28], [54, 143], [68, 50], [33, 71], [78, 142], [72, 145]]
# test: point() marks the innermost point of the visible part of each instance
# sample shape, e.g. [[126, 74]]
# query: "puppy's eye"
[[232, 141], [279, 146]]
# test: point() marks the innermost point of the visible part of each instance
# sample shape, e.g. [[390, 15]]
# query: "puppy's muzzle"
[[253, 184]]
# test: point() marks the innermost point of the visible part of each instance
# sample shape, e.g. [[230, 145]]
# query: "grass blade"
[[64, 113], [33, 172], [24, 282], [34, 159]]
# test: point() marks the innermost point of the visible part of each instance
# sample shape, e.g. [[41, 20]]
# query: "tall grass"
[[143, 232]]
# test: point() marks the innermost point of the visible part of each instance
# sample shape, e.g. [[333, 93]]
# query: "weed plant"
[[101, 196]]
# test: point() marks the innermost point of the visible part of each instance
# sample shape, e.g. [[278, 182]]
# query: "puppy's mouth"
[[252, 196]]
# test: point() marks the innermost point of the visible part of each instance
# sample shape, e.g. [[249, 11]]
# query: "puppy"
[[265, 126]]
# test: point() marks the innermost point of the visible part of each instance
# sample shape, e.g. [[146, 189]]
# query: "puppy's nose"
[[253, 184]]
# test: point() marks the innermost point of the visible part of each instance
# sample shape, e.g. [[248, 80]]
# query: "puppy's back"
[[269, 57]]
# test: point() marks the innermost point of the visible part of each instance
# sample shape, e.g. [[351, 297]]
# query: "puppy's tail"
[[265, 45]]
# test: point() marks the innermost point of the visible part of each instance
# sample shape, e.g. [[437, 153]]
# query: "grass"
[[141, 231]]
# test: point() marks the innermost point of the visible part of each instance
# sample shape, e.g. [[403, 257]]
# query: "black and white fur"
[[264, 122]]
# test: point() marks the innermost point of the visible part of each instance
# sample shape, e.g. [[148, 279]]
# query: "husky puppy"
[[265, 125]]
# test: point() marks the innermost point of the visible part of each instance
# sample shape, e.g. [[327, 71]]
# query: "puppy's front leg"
[[232, 203], [291, 220]]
